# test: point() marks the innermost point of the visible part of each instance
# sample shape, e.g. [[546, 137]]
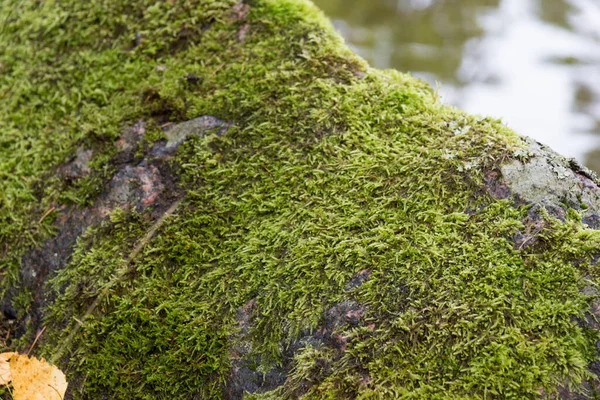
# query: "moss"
[[330, 170]]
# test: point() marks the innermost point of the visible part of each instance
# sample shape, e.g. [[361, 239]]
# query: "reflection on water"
[[533, 63]]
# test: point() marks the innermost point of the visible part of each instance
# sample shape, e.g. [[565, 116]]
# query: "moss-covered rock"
[[213, 199]]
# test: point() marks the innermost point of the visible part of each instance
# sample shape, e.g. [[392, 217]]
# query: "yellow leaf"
[[5, 376], [34, 379]]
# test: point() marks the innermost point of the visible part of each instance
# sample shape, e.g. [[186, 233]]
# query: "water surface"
[[533, 63]]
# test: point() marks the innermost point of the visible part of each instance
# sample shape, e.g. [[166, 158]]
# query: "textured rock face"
[[219, 200], [548, 182], [552, 184], [145, 185], [547, 179]]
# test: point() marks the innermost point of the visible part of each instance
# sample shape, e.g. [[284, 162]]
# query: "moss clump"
[[331, 171]]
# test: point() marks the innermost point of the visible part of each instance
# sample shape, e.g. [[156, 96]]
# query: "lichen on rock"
[[241, 207]]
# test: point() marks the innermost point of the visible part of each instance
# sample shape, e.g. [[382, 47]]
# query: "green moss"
[[332, 168]]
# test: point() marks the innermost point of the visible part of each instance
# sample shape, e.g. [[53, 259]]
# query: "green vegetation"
[[331, 169]]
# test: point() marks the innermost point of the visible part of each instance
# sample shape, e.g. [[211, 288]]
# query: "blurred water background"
[[533, 63]]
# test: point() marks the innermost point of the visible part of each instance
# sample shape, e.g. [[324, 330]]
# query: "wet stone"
[[552, 181], [359, 279], [147, 186], [495, 186], [245, 376], [78, 167], [176, 134]]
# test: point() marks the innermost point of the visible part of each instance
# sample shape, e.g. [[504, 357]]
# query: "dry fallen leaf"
[[32, 379], [5, 376]]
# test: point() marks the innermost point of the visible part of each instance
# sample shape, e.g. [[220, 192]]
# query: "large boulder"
[[217, 199]]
